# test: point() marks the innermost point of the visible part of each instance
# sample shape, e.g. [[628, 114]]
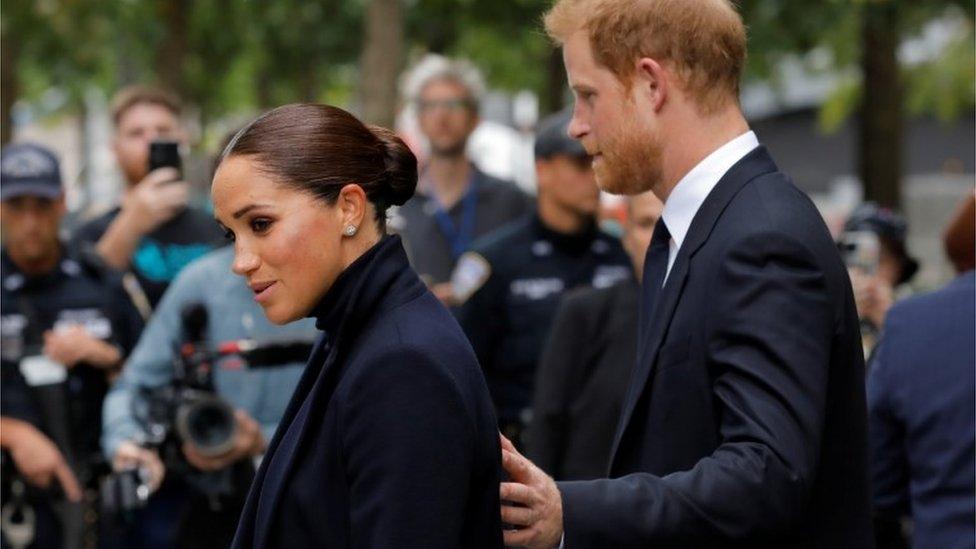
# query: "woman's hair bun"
[[401, 167]]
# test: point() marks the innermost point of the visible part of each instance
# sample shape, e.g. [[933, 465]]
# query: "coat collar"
[[756, 163]]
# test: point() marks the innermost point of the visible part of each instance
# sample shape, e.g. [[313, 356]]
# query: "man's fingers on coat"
[[518, 493], [518, 537], [517, 466], [520, 516], [507, 444]]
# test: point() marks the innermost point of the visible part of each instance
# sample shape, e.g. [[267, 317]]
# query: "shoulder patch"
[[470, 274]]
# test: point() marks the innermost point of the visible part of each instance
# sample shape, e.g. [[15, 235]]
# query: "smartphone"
[[165, 154], [861, 250]]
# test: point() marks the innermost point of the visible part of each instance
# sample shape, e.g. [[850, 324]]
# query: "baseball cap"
[[27, 169], [552, 137]]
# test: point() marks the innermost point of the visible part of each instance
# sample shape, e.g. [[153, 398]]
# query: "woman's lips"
[[263, 290]]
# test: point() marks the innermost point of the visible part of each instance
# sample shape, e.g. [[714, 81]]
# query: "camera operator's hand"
[[37, 458], [74, 345], [872, 296], [152, 202], [248, 442], [155, 200], [129, 455]]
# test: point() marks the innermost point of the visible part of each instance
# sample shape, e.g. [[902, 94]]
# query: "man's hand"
[[155, 200], [38, 459], [129, 455], [75, 345], [248, 442], [538, 516]]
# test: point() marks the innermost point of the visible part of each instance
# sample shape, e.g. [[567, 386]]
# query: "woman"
[[390, 439]]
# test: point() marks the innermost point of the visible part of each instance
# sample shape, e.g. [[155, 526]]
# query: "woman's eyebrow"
[[248, 208]]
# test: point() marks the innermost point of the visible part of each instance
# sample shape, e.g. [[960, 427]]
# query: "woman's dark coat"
[[390, 439]]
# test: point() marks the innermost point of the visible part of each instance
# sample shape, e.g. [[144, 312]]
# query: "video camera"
[[190, 410]]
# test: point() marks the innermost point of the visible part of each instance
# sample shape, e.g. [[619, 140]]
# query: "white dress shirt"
[[689, 194]]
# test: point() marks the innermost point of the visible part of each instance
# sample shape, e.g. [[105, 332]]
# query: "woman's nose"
[[245, 262]]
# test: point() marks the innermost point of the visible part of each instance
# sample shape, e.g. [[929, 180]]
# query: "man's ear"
[[653, 80]]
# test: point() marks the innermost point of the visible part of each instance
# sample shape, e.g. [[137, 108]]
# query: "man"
[[258, 395], [456, 203], [920, 401], [154, 233], [745, 421], [66, 326], [510, 284], [583, 372]]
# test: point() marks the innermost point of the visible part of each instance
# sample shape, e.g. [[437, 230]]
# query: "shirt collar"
[[691, 191]]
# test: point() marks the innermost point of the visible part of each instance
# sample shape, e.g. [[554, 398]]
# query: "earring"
[[350, 230]]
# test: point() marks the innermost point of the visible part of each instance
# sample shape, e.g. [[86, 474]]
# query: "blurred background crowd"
[[141, 383]]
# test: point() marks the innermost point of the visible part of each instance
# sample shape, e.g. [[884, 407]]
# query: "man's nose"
[[577, 126]]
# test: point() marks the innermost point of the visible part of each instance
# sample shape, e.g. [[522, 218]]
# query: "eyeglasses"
[[449, 105]]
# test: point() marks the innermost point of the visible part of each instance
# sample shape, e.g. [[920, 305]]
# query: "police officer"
[[511, 282], [66, 323]]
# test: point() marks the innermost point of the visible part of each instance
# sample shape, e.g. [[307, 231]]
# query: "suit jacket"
[[745, 423], [582, 381], [920, 397], [390, 439]]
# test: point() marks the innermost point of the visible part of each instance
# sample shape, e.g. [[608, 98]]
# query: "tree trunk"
[[9, 83], [171, 54], [555, 92], [381, 61], [880, 159]]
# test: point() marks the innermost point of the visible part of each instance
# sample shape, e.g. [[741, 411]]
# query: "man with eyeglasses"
[[456, 203]]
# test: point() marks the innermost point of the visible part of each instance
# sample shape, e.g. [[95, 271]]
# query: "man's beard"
[[631, 162]]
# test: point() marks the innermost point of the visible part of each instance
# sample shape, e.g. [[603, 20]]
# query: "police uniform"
[[65, 404], [76, 293]]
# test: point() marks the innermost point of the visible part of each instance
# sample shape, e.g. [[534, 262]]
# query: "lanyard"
[[459, 237]]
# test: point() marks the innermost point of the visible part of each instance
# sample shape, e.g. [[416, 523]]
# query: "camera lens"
[[207, 423]]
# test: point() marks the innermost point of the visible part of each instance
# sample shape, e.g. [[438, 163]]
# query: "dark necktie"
[[655, 269]]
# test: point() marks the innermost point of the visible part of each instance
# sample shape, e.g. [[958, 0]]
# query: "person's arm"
[[408, 444], [772, 326], [36, 457], [152, 202], [886, 430], [558, 371], [150, 364]]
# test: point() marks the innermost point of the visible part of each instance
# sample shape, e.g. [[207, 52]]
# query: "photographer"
[[154, 232], [874, 243], [258, 396]]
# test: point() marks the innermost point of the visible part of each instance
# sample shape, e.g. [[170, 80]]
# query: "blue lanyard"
[[460, 237]]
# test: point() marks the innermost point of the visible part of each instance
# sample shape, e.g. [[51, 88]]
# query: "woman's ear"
[[352, 204]]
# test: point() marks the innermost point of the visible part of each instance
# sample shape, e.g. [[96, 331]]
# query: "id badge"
[[40, 370]]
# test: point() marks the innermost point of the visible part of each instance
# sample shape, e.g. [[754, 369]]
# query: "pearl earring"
[[350, 230]]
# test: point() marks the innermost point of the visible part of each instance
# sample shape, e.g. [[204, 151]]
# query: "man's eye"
[[260, 225]]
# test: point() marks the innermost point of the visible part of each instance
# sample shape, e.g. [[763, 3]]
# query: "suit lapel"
[[754, 164]]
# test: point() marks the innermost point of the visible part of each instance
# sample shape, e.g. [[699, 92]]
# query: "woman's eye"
[[229, 235], [260, 225]]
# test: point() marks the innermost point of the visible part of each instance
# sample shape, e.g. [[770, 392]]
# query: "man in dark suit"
[[745, 420], [920, 399]]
